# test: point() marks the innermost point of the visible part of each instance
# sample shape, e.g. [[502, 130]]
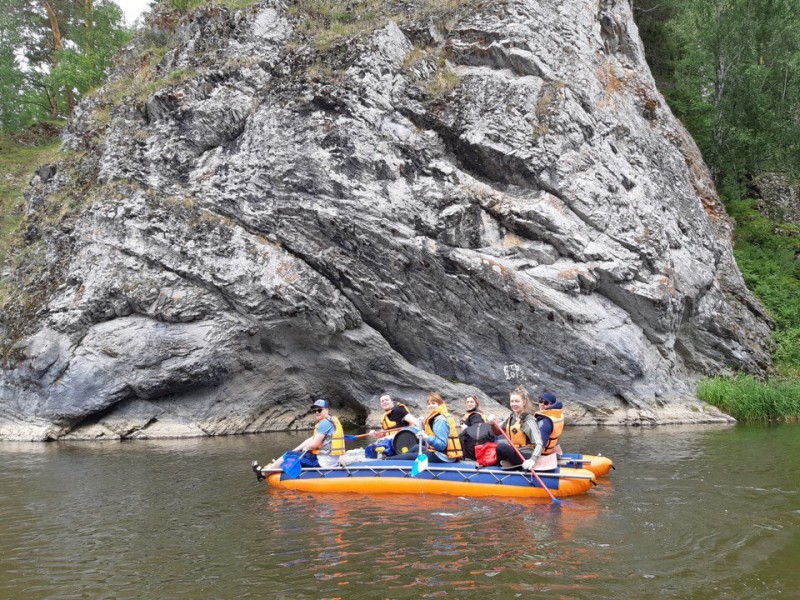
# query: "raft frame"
[[394, 477]]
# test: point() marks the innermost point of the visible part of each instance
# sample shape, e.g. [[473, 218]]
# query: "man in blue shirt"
[[325, 446]]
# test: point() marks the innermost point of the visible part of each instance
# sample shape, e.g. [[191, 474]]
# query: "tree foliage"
[[51, 53], [730, 69]]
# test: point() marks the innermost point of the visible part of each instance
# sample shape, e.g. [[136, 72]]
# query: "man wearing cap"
[[326, 445]]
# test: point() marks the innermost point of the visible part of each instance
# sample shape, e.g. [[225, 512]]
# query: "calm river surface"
[[690, 512]]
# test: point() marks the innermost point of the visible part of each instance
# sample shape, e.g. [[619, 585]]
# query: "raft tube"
[[599, 465], [458, 479]]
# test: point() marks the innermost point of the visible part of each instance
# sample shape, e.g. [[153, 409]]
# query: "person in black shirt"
[[473, 414], [395, 416]]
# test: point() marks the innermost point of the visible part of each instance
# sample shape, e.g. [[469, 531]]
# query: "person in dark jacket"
[[473, 414]]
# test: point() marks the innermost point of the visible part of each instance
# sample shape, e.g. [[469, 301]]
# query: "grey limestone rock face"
[[780, 200], [456, 200]]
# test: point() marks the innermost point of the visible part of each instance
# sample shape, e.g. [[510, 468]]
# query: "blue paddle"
[[291, 466], [420, 463]]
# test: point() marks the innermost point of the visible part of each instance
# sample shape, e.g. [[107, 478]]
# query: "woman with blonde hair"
[[521, 429]]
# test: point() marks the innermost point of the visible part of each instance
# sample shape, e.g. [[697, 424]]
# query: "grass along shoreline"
[[751, 400], [768, 254]]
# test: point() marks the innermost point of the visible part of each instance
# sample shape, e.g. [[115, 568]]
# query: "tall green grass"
[[750, 400], [768, 255]]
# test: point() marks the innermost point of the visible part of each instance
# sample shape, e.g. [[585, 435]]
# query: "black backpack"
[[480, 433]]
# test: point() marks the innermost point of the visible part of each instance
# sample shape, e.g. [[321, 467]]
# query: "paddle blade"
[[420, 465], [350, 438], [291, 465]]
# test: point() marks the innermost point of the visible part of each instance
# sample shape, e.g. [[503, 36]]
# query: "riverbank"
[[752, 401], [166, 427]]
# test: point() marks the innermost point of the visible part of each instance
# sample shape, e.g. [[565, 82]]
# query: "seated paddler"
[[439, 435], [522, 430], [473, 414], [550, 419], [396, 416], [325, 445]]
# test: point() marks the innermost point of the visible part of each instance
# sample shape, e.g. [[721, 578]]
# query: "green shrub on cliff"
[[184, 6], [20, 156], [767, 254]]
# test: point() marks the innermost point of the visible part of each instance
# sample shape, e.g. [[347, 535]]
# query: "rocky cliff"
[[306, 199]]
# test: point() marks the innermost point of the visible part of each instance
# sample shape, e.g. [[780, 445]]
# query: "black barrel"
[[404, 440]]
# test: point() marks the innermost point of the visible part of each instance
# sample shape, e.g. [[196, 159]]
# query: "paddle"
[[353, 438], [420, 463], [291, 466], [541, 483]]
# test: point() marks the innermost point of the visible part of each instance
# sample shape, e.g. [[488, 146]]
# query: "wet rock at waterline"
[[279, 205]]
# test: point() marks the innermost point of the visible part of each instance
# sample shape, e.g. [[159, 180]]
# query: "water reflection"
[[420, 545], [689, 513]]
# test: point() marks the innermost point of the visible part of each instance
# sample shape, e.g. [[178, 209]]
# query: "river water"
[[690, 512]]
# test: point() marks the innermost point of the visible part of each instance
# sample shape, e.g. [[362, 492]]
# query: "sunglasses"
[[318, 410]]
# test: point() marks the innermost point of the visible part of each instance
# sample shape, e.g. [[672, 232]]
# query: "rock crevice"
[[458, 201]]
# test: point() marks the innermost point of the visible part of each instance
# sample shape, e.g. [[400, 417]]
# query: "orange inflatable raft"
[[597, 464], [456, 479]]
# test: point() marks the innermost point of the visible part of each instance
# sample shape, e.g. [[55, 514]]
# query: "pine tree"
[[51, 53]]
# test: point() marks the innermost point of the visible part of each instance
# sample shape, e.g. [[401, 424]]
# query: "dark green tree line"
[[730, 70], [51, 53]]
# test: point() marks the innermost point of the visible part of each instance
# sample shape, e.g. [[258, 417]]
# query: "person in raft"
[[325, 446], [521, 429], [473, 414], [439, 436], [550, 418], [396, 416]]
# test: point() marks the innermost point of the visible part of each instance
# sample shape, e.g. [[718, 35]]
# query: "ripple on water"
[[686, 514], [418, 543]]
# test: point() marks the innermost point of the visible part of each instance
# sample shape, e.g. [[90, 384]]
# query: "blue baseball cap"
[[321, 404], [547, 398]]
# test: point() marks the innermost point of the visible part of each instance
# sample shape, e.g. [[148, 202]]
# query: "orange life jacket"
[[336, 441], [474, 411], [454, 449], [556, 416], [514, 429], [388, 424]]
